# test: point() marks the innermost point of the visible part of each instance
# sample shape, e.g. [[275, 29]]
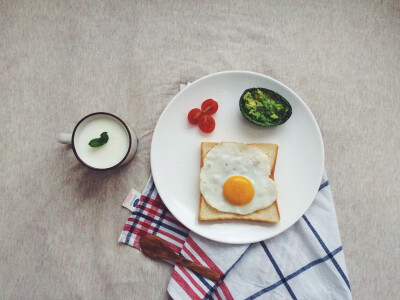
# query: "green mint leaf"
[[99, 141], [104, 137], [95, 143]]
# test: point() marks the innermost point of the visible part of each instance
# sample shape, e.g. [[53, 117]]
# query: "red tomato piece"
[[209, 107], [206, 123], [194, 116]]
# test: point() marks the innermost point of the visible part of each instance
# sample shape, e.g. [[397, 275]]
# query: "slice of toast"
[[268, 214]]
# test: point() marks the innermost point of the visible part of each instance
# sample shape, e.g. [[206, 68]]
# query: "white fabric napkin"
[[304, 262]]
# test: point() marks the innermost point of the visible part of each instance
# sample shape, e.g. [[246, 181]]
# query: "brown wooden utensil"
[[155, 247]]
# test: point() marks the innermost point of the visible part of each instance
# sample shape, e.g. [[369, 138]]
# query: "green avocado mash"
[[264, 107]]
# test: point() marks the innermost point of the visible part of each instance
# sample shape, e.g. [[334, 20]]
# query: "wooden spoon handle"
[[204, 271], [155, 247]]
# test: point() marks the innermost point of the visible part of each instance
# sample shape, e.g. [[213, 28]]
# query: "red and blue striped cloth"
[[304, 262]]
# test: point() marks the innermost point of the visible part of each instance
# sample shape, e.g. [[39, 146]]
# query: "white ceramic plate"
[[175, 154]]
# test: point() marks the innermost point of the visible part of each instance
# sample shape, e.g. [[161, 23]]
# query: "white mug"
[[119, 149]]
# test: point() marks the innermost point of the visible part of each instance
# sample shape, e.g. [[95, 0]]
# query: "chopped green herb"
[[99, 141]]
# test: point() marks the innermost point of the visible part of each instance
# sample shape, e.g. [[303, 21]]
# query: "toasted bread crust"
[[269, 214]]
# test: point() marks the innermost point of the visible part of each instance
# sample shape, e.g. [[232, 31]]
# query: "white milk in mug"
[[120, 147]]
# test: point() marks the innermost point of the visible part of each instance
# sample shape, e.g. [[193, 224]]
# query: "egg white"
[[229, 159]]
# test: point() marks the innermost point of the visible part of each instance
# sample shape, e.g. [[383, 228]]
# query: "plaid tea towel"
[[304, 262]]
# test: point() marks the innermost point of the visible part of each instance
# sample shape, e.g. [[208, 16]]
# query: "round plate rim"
[[156, 179]]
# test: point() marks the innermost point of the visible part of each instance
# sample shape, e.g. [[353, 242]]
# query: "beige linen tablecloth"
[[59, 222]]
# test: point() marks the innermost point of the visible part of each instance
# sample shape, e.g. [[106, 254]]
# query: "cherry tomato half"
[[209, 107], [194, 116], [206, 123]]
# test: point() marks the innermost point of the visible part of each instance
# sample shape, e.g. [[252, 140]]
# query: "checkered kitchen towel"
[[304, 262]]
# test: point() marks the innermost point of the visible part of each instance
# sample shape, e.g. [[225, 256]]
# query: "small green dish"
[[264, 107]]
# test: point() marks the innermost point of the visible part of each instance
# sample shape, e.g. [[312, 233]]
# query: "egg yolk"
[[238, 190]]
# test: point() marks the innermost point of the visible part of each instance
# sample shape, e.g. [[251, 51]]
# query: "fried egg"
[[235, 178]]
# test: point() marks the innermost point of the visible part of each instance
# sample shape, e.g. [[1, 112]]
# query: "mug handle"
[[64, 138]]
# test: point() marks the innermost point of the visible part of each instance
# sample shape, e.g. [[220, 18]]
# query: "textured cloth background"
[[60, 60]]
